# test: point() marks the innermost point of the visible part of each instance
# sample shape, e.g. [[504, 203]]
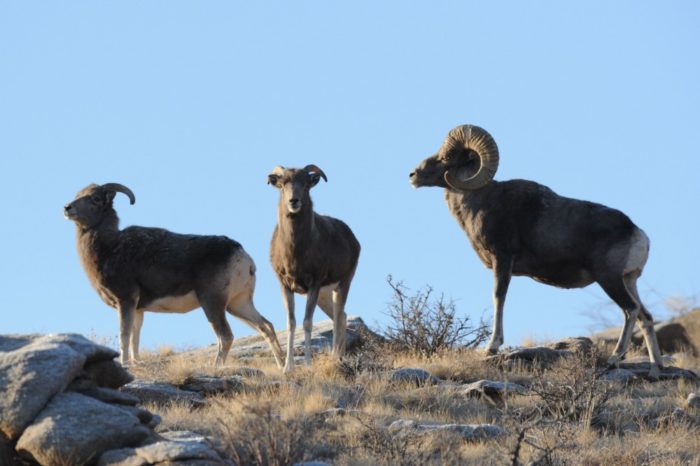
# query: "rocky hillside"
[[64, 400]]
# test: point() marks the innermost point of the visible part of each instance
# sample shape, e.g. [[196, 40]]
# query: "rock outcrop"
[[59, 405]]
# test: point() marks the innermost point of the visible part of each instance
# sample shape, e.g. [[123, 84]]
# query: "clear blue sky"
[[191, 104]]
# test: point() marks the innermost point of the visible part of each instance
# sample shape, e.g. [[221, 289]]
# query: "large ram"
[[519, 227]]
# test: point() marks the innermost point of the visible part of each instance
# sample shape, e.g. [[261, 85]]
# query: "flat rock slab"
[[539, 355], [414, 376], [75, 429], [469, 432], [641, 370], [207, 385], [491, 389], [180, 447], [162, 394]]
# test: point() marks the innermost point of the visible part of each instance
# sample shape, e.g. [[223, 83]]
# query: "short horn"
[[480, 141], [120, 188], [315, 169]]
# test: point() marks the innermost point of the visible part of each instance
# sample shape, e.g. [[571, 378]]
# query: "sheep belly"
[[182, 303]]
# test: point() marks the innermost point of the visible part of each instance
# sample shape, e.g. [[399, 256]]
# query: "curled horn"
[[481, 142], [120, 188], [314, 169]]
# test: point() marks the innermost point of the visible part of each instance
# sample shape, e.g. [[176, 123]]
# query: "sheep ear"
[[272, 179]]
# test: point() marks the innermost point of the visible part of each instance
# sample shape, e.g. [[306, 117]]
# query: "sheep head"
[[93, 202], [294, 185], [467, 160]]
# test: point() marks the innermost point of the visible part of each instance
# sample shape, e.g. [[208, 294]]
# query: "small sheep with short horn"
[[519, 227], [311, 254], [141, 269]]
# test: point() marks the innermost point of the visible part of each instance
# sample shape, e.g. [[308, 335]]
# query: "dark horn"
[[315, 169], [120, 188]]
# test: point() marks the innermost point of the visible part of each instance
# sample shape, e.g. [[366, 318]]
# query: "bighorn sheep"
[[519, 227], [151, 269], [311, 254]]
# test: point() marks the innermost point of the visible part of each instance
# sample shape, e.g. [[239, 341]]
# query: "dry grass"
[[570, 417]]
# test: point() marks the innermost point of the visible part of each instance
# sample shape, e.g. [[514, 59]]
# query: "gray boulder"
[[74, 429], [29, 376]]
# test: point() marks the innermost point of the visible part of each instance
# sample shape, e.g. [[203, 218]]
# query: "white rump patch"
[[638, 252]]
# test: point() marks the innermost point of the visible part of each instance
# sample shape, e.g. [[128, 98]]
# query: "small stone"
[[694, 401], [413, 375], [492, 389]]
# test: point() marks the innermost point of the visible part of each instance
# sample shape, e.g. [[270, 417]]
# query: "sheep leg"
[[502, 271], [246, 311], [325, 301], [311, 301], [340, 297], [646, 323], [328, 301], [617, 291], [288, 299], [214, 308], [126, 310], [136, 334]]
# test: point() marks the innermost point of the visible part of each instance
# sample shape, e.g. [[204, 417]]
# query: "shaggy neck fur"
[[94, 240]]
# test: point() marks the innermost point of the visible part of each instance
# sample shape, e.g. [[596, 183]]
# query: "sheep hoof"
[[614, 360], [654, 372]]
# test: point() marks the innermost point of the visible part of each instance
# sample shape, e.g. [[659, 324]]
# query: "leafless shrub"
[[258, 436], [387, 448], [426, 324], [567, 401]]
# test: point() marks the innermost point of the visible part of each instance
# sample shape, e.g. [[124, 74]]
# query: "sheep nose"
[[67, 207], [294, 201], [412, 174]]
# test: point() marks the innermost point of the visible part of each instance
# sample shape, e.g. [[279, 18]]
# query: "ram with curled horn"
[[520, 227], [141, 269]]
